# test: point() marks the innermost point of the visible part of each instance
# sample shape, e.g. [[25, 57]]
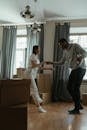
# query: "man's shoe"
[[71, 110], [74, 111], [81, 107]]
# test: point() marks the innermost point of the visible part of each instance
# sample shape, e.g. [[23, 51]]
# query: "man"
[[74, 55]]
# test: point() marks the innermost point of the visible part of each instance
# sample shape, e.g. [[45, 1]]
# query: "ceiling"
[[44, 10]]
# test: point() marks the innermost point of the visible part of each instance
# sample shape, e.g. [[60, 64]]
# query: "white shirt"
[[33, 71], [70, 56]]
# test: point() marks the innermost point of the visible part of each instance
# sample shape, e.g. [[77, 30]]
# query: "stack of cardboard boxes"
[[84, 98], [44, 81], [83, 89], [21, 72], [45, 87]]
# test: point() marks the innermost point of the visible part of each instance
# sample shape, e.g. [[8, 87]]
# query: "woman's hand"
[[48, 62], [42, 63]]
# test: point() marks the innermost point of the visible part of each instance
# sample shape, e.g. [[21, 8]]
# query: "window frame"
[[20, 36]]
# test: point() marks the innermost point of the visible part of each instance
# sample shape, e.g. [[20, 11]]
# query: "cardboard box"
[[84, 98], [15, 91], [44, 83], [21, 72], [15, 76], [46, 97]]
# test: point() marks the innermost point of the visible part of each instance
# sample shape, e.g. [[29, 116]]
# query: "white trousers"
[[34, 91]]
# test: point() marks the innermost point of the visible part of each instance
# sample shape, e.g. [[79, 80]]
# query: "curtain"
[[0, 64], [32, 39], [7, 52], [61, 73], [41, 42]]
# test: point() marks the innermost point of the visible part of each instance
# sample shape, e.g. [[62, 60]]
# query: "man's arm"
[[60, 62], [81, 53]]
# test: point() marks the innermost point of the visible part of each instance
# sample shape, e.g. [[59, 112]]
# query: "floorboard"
[[57, 118]]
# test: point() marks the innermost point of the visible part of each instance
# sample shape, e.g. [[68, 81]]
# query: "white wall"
[[75, 23], [1, 35], [49, 31]]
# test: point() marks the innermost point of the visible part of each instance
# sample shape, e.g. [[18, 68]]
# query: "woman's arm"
[[60, 62], [34, 64]]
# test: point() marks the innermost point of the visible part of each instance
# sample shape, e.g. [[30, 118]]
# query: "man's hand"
[[79, 58]]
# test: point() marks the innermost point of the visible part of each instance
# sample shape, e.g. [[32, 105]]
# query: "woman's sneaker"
[[40, 109]]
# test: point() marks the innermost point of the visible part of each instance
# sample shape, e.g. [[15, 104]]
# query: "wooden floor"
[[57, 118]]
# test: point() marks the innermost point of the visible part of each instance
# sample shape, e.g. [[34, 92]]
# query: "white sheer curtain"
[[7, 52], [32, 39]]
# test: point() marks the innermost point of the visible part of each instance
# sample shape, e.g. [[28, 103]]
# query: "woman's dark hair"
[[63, 40], [35, 48]]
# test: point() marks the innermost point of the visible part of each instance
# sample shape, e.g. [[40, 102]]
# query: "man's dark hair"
[[35, 48], [63, 40]]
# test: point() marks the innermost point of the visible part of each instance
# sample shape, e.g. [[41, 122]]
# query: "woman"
[[34, 66]]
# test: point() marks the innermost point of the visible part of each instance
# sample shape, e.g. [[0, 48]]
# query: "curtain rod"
[[20, 24], [62, 22]]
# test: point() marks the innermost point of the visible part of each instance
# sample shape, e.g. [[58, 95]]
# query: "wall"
[[78, 23], [1, 35], [49, 31], [74, 23]]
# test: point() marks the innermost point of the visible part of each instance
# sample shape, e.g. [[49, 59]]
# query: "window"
[[21, 49], [80, 37]]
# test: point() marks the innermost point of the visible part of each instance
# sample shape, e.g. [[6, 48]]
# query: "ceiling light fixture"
[[36, 27], [27, 13]]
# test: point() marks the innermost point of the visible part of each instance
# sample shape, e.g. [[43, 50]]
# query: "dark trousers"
[[74, 83]]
